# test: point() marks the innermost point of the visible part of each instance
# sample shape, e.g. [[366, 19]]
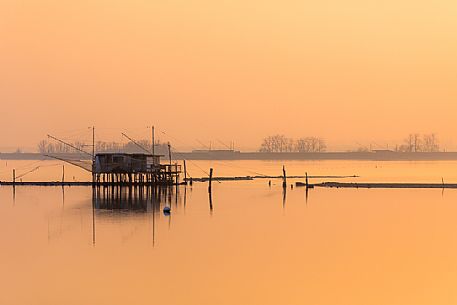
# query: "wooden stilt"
[[210, 180], [185, 172]]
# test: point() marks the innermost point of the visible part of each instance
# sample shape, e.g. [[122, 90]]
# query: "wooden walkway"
[[46, 183], [324, 184], [79, 183]]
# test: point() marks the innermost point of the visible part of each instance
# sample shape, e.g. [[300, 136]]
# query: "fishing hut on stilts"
[[133, 169], [127, 169]]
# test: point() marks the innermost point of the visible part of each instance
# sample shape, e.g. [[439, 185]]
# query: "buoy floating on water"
[[166, 210]]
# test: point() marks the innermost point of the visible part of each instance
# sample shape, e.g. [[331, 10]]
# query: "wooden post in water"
[[170, 177], [210, 179], [63, 173], [306, 179], [185, 173], [169, 153], [14, 176], [284, 182]]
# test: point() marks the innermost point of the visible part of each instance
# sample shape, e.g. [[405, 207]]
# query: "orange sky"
[[353, 71]]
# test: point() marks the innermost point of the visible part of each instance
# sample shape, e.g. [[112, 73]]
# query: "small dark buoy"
[[166, 210]]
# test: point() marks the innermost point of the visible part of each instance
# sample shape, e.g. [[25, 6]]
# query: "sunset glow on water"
[[344, 246]]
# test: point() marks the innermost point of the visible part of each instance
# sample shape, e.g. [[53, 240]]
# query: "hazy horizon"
[[354, 73]]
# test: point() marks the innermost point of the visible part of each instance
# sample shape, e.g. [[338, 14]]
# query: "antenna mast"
[[93, 142], [153, 140]]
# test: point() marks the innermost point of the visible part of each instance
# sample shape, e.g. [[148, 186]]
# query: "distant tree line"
[[281, 143], [420, 143], [48, 147]]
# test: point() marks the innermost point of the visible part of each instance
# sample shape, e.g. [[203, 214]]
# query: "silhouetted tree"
[[430, 143], [43, 146], [280, 143], [416, 143]]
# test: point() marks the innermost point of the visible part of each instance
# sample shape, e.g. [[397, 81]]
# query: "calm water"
[[253, 245]]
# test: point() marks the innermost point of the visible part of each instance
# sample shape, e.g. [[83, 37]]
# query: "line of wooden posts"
[[186, 180], [284, 179]]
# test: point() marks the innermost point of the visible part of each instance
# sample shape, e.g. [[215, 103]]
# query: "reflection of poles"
[[63, 195], [169, 221], [93, 217], [306, 196], [284, 192], [185, 197], [210, 203], [153, 219]]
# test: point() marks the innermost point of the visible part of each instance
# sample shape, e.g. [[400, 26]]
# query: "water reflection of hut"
[[137, 168], [132, 198]]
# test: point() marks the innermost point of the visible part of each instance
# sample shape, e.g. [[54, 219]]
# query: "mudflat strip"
[[388, 185]]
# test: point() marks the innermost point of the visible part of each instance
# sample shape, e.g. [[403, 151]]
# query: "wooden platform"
[[46, 183], [79, 183], [324, 184]]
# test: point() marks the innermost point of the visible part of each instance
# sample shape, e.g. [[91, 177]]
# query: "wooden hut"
[[133, 168]]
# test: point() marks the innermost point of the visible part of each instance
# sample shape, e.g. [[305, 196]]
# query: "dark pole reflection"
[[153, 225], [210, 202], [94, 203], [185, 197], [14, 195], [93, 225], [306, 196], [63, 196]]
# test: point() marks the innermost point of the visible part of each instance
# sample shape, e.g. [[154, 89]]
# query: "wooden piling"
[[169, 154], [63, 173], [210, 179], [14, 176], [307, 184], [185, 173], [284, 182]]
